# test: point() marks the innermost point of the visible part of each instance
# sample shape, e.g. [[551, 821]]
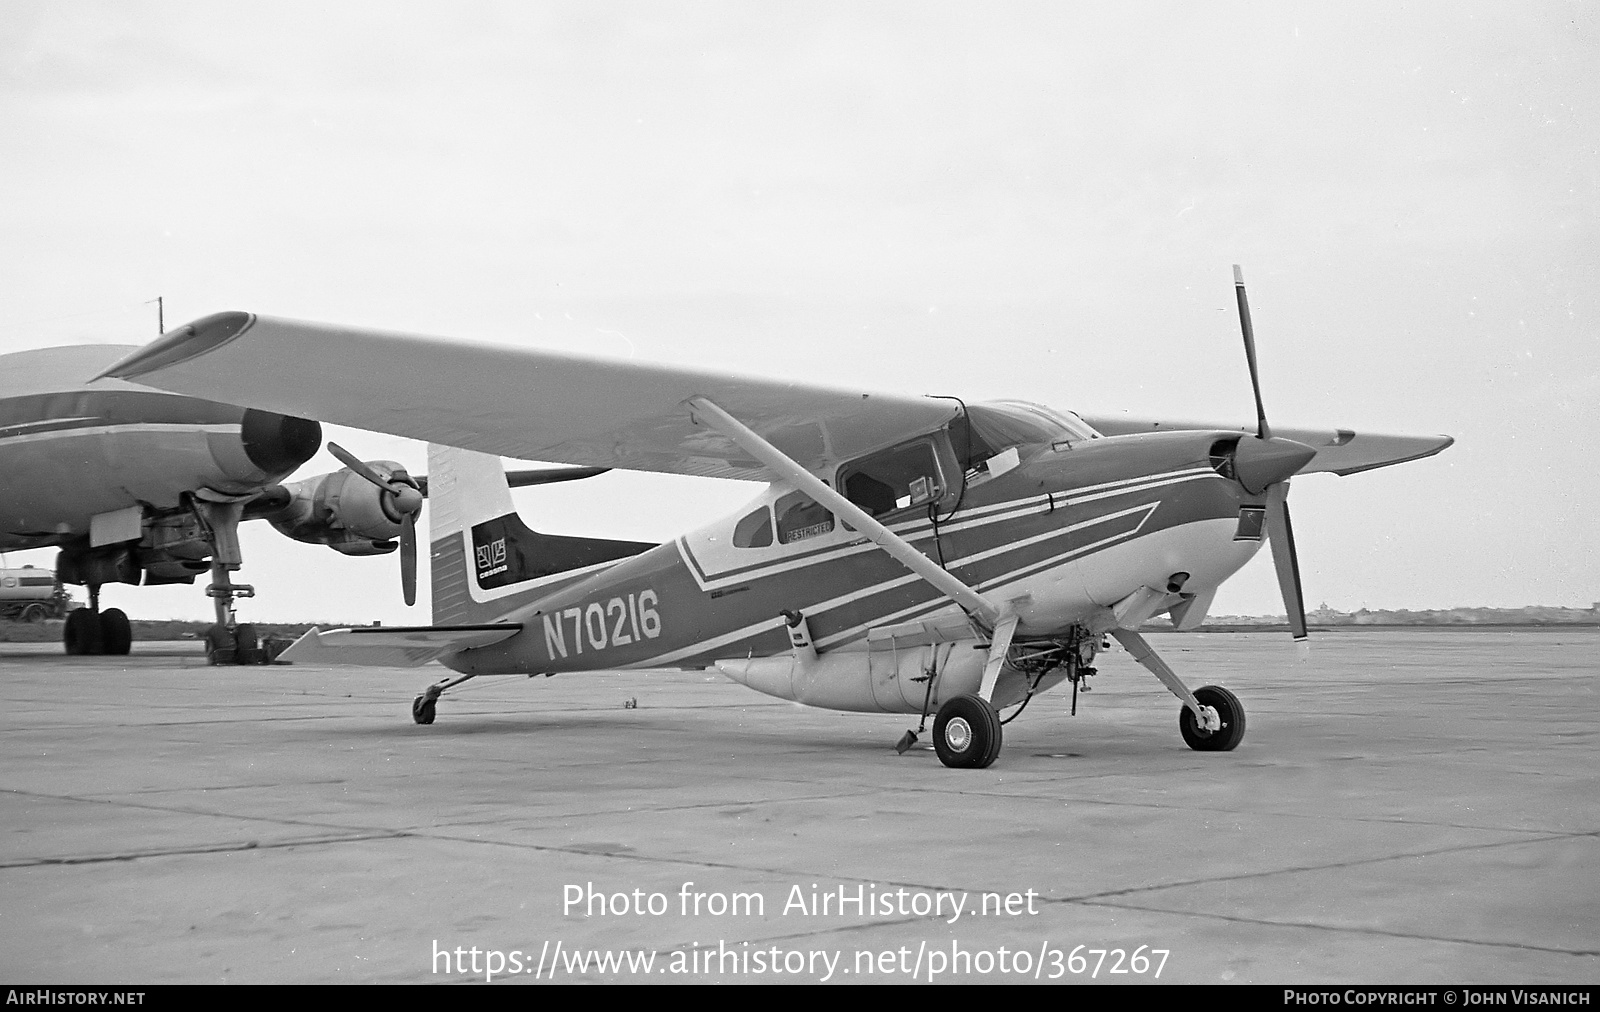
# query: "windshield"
[[987, 429]]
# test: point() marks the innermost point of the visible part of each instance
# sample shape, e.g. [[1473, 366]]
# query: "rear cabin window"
[[894, 479], [800, 517], [754, 531]]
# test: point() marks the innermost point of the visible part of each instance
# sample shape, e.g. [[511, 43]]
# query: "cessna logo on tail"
[[491, 558]]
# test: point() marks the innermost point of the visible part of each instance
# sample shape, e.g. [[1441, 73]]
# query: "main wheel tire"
[[70, 637], [34, 613], [1228, 708], [422, 709], [966, 733], [220, 648], [116, 635], [82, 632], [247, 648]]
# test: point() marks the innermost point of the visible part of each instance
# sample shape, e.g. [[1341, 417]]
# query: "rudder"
[[485, 560]]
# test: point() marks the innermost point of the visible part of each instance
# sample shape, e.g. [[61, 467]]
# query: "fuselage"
[[1068, 528], [70, 450]]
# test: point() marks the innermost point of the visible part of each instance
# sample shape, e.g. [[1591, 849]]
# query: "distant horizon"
[[1210, 618]]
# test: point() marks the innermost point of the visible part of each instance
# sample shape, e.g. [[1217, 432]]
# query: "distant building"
[[1325, 615]]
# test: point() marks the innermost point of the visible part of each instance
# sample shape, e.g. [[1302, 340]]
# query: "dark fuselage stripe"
[[81, 408]]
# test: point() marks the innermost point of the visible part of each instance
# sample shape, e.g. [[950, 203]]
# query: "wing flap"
[[1339, 451], [392, 646], [519, 402]]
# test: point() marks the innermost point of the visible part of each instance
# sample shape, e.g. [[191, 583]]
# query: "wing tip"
[[1438, 445], [182, 344]]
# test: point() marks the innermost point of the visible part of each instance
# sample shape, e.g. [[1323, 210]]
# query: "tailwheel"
[[1229, 711], [966, 733], [422, 709]]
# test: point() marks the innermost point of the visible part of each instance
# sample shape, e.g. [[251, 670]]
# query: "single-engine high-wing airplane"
[[909, 554], [136, 486]]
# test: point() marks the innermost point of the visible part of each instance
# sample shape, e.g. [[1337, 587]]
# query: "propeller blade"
[[1280, 535], [360, 467], [1250, 351], [408, 559]]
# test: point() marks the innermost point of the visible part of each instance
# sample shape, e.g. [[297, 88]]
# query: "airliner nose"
[[1258, 462]]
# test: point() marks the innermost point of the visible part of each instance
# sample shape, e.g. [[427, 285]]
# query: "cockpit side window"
[[754, 531], [900, 478], [800, 517]]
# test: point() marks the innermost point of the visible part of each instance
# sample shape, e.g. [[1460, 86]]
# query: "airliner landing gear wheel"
[[1228, 708], [116, 635], [221, 647], [246, 648], [966, 733], [422, 709], [82, 632]]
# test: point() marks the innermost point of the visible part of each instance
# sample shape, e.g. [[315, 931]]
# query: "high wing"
[[1339, 451], [521, 403]]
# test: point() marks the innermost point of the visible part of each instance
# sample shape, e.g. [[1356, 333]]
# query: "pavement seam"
[[173, 810], [117, 800], [220, 848], [1310, 925], [1086, 897], [1057, 799]]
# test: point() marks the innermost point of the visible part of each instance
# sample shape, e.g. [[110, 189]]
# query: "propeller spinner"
[[1264, 463], [402, 502]]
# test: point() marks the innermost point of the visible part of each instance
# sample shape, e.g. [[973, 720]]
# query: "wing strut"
[[997, 656], [963, 595]]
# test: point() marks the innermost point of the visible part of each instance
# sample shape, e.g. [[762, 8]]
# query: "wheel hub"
[[958, 734]]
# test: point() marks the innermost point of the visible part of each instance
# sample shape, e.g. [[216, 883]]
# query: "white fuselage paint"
[[884, 679], [57, 481]]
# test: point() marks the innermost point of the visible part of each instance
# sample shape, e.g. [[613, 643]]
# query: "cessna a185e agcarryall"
[[909, 554]]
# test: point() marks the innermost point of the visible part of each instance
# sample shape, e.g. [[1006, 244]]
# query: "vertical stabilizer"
[[485, 560]]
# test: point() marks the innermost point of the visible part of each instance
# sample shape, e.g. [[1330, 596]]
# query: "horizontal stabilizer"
[[393, 646], [1339, 451]]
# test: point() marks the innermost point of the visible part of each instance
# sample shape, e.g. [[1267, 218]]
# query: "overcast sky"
[[1003, 199]]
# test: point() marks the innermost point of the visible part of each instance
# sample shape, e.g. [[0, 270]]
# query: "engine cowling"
[[268, 446], [343, 510]]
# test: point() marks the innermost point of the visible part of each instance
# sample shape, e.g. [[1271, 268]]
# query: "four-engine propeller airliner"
[[909, 554], [136, 486]]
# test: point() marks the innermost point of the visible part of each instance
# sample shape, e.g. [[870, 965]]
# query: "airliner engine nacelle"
[[269, 447], [345, 511]]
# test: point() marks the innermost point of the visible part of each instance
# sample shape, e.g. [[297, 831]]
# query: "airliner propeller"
[[402, 502], [1263, 463]]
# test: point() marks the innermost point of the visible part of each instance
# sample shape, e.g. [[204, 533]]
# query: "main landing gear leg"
[[423, 707], [227, 642], [966, 731], [1212, 719]]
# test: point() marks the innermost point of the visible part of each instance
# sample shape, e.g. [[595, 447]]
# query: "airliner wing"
[[1339, 451], [519, 402]]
